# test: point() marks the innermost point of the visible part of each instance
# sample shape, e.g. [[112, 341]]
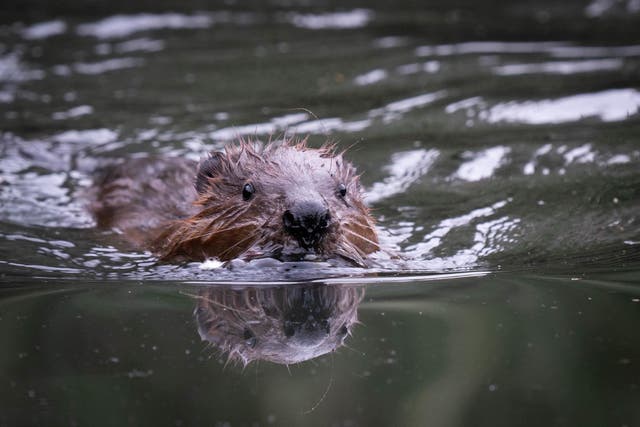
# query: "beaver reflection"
[[287, 324]]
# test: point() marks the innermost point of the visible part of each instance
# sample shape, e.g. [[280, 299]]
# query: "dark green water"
[[500, 147], [498, 350]]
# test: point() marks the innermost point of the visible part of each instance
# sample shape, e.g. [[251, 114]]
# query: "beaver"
[[283, 200], [280, 324]]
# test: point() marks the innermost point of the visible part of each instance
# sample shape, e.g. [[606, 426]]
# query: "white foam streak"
[[140, 45], [619, 159], [290, 119], [45, 197], [555, 49], [434, 239], [482, 164], [294, 123], [486, 48], [233, 132], [378, 75], [124, 25], [7, 95], [560, 67], [356, 18], [44, 30], [598, 8], [414, 68], [371, 77], [14, 71], [107, 65], [490, 235], [408, 104], [390, 42], [530, 167], [464, 104], [324, 126], [609, 106], [581, 154], [394, 110], [594, 51], [80, 110], [88, 137], [291, 123], [405, 169]]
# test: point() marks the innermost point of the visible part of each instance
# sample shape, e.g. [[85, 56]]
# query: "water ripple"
[[481, 165], [560, 67], [443, 228], [142, 44], [43, 30], [101, 67], [406, 168], [609, 106], [124, 25], [356, 18]]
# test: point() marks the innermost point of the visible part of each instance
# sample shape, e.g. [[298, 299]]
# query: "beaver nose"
[[307, 221]]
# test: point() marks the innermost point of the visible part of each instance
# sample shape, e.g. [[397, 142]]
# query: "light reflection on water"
[[57, 198], [609, 106], [560, 67], [124, 25]]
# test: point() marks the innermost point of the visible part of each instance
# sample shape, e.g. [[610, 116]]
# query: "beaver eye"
[[342, 190], [247, 191]]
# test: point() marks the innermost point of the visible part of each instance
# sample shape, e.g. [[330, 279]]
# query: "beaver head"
[[282, 200]]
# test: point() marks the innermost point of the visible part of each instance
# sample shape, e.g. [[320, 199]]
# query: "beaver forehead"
[[301, 169], [305, 160]]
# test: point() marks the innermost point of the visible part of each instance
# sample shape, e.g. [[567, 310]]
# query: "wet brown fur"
[[216, 222]]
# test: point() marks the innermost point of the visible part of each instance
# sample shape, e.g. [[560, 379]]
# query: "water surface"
[[498, 143]]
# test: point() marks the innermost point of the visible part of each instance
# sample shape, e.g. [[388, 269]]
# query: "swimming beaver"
[[283, 200]]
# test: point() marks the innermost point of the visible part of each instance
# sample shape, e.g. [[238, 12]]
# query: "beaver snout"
[[307, 221]]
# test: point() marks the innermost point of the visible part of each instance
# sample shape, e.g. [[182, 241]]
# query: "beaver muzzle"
[[307, 221]]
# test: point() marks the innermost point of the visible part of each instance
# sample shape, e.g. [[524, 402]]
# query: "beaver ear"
[[208, 168]]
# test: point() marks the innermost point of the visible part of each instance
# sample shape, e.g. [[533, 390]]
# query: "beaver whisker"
[[350, 246], [228, 212], [210, 233], [233, 215], [207, 232], [354, 226], [238, 243], [350, 256], [360, 236], [356, 221], [217, 220]]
